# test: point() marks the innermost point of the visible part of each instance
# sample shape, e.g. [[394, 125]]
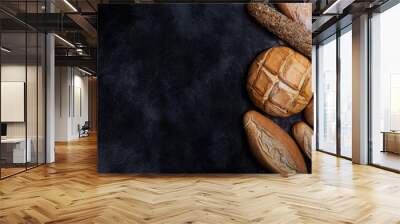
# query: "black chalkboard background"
[[171, 87]]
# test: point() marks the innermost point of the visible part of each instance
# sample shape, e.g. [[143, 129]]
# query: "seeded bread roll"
[[298, 12], [286, 29]]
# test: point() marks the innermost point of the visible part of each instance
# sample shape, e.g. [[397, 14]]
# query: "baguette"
[[298, 12], [293, 33]]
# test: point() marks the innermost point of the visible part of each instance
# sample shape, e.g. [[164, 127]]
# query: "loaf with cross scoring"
[[279, 82]]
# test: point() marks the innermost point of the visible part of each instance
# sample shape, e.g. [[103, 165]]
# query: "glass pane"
[[31, 87], [41, 98], [346, 94], [13, 86], [385, 84], [327, 96], [31, 100]]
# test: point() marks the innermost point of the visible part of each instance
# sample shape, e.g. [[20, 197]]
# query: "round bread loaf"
[[303, 135], [298, 12], [279, 82], [272, 146], [309, 113]]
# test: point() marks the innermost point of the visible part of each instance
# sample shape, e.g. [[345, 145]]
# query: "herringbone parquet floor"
[[71, 191]]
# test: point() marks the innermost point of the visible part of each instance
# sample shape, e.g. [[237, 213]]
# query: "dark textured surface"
[[172, 87]]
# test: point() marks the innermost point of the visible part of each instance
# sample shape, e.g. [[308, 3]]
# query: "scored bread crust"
[[279, 82], [272, 146]]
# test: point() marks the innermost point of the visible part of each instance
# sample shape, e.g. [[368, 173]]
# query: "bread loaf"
[[303, 135], [279, 82], [298, 12], [309, 113], [272, 146], [286, 29]]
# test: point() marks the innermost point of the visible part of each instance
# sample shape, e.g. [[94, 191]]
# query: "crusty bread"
[[279, 82], [293, 33], [272, 146], [298, 12], [309, 113], [303, 135]]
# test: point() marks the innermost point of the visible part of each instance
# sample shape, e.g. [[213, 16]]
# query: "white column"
[[360, 90], [50, 92], [62, 103]]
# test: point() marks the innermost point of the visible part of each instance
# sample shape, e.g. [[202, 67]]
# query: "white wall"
[[16, 72], [80, 103], [70, 84], [62, 81], [33, 127]]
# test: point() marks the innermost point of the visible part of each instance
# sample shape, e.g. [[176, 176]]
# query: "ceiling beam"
[[337, 7], [85, 25], [83, 61]]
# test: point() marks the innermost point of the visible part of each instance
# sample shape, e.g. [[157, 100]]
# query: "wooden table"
[[391, 141]]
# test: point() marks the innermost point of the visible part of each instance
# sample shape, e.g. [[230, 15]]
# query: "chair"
[[84, 130]]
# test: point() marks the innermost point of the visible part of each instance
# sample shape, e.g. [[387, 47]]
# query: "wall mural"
[[205, 88]]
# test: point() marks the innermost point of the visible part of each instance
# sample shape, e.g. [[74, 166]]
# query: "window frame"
[[336, 36], [381, 9]]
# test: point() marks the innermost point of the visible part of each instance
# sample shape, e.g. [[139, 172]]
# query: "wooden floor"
[[387, 159], [5, 172], [71, 191], [9, 171]]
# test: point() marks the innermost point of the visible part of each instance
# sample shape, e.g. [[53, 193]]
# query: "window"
[[335, 108], [346, 75], [327, 96], [385, 89], [22, 77]]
